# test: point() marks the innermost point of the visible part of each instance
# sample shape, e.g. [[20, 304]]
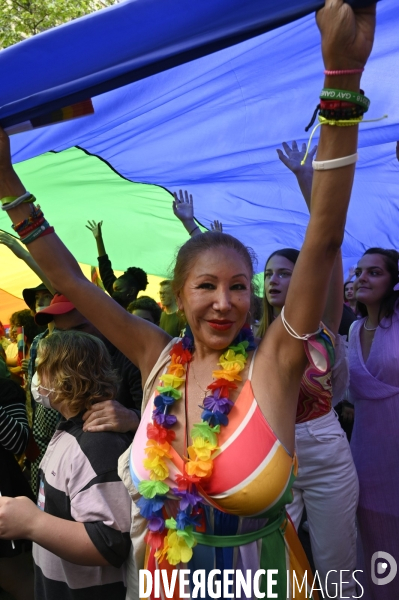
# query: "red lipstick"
[[221, 325]]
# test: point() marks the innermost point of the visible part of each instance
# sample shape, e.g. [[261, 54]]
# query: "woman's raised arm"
[[347, 38], [139, 340]]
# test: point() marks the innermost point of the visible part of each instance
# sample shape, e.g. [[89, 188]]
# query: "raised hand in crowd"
[[217, 226], [351, 272], [292, 159], [95, 228], [183, 209]]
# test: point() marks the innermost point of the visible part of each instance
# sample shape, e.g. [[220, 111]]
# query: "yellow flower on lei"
[[177, 550], [199, 468], [157, 467], [172, 380], [154, 449], [231, 374], [229, 360], [201, 449]]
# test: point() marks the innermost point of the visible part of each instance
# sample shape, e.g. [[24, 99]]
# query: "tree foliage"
[[20, 19]]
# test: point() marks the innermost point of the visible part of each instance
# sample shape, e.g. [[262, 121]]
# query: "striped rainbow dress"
[[245, 522]]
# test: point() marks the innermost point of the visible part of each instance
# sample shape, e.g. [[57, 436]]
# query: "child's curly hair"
[[78, 367]]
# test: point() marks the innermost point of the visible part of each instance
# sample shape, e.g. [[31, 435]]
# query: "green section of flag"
[[139, 226]]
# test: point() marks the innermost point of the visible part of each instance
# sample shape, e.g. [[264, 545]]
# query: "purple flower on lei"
[[156, 523], [188, 339], [187, 498], [164, 420], [245, 335], [216, 403]]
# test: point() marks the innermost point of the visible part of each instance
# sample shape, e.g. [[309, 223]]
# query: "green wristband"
[[8, 199], [345, 96]]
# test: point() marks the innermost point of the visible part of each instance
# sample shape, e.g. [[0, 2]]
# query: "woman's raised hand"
[[347, 34]]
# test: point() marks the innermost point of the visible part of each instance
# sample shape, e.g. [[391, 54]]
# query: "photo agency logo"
[[383, 568]]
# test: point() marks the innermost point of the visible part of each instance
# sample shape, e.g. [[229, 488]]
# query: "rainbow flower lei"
[[173, 539]]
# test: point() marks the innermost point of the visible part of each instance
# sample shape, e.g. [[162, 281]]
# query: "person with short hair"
[[123, 289], [122, 413], [80, 526], [146, 308], [172, 321], [349, 295]]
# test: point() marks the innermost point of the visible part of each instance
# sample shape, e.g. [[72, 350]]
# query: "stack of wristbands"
[[340, 107], [32, 227]]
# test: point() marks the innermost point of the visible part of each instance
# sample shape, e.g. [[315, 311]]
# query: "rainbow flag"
[[73, 111], [21, 343]]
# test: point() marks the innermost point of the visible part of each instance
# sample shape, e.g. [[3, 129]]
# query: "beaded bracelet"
[[344, 72], [344, 123], [337, 109], [341, 113], [354, 97]]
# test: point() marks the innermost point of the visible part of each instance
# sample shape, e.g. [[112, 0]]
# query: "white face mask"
[[40, 393]]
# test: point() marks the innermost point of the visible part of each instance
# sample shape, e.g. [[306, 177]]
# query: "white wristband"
[[335, 163]]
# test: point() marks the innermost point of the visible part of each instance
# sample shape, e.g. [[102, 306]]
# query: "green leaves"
[[20, 19]]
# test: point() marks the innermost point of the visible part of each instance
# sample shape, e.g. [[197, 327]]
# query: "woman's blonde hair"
[[78, 367]]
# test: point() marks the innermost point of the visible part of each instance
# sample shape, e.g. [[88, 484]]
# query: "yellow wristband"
[[343, 123]]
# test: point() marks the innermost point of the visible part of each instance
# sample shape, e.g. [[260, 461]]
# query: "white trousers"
[[327, 485]]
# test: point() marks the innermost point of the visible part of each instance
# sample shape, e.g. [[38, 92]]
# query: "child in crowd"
[[80, 526]]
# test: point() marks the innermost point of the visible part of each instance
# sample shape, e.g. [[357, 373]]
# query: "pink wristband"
[[344, 72]]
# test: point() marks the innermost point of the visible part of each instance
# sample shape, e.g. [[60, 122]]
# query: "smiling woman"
[[212, 284], [374, 391]]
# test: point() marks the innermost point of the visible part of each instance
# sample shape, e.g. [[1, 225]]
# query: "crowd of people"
[[199, 433]]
